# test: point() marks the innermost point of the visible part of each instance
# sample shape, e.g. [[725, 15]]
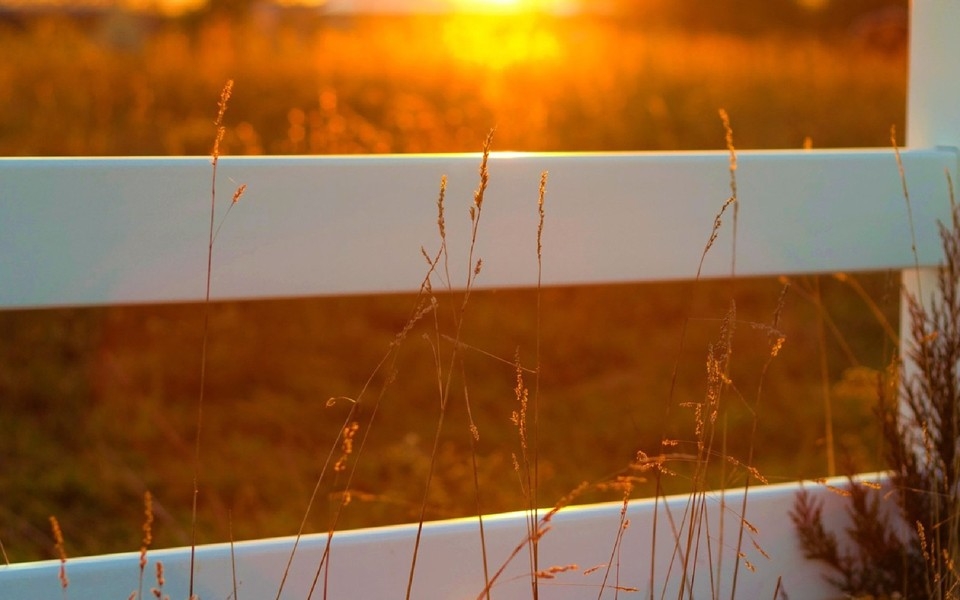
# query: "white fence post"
[[933, 120], [933, 86]]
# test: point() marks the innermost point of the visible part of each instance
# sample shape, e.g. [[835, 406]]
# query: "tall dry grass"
[[426, 315], [905, 542]]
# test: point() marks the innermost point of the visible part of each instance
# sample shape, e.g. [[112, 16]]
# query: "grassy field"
[[415, 85], [99, 404]]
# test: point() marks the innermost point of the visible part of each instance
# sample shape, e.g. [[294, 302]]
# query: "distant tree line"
[[756, 16], [743, 17]]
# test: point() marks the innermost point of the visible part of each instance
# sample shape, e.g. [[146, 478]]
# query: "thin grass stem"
[[473, 270], [215, 160]]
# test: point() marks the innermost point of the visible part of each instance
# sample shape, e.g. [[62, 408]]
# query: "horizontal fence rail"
[[374, 563], [134, 230]]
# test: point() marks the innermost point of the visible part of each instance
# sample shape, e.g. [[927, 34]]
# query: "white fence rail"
[[375, 563], [95, 231]]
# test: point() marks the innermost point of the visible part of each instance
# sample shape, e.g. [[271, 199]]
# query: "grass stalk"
[[919, 414], [444, 381], [527, 465], [387, 363], [614, 560], [161, 580], [233, 558], [541, 529], [214, 161], [473, 432], [147, 538], [804, 287], [534, 499], [825, 381], [522, 466], [61, 551], [775, 339], [906, 197], [658, 474], [872, 306], [718, 379], [732, 150]]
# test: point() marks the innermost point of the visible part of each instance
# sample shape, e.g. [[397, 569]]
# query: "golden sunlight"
[[489, 5], [507, 6], [498, 43], [166, 7]]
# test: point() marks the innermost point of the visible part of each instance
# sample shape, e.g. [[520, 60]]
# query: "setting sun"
[[497, 43], [512, 6], [491, 5]]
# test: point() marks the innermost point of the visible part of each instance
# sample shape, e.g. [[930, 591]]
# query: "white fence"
[[96, 231]]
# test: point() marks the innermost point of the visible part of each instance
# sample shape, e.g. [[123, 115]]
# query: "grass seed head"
[[60, 550], [147, 528]]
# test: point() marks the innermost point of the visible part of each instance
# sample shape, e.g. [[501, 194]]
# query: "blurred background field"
[[98, 404], [120, 84]]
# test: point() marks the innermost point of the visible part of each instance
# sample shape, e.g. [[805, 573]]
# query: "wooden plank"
[[134, 230]]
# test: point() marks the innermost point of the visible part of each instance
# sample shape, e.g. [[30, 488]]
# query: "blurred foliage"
[[99, 404], [309, 84]]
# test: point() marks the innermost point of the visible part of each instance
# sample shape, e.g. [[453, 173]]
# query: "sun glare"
[[501, 6], [489, 5], [499, 43]]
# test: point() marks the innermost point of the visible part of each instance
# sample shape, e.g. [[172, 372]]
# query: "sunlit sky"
[[382, 6]]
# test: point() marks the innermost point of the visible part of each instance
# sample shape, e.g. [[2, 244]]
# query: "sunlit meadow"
[[124, 85]]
